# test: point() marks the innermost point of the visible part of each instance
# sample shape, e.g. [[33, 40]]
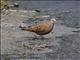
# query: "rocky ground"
[[63, 43]]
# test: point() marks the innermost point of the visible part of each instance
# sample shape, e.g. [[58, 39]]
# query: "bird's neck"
[[52, 21]]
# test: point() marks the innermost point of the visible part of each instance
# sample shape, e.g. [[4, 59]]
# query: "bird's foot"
[[35, 37], [38, 37], [41, 37]]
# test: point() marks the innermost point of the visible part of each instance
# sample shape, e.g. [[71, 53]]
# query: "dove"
[[42, 28]]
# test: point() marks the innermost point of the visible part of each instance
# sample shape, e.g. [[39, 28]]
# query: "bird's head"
[[54, 20]]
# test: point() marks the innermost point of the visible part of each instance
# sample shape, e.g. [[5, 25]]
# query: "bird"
[[42, 28]]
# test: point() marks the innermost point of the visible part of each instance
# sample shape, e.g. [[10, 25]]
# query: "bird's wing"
[[43, 27]]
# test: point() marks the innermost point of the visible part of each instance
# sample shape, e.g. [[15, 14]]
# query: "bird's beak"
[[55, 22]]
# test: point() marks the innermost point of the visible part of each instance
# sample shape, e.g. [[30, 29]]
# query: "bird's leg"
[[35, 36], [41, 37]]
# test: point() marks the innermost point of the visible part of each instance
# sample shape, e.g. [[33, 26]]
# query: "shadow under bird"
[[40, 28]]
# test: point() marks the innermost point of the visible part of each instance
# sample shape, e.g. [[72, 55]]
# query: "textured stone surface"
[[61, 44]]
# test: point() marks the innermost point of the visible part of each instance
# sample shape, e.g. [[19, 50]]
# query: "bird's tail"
[[25, 28]]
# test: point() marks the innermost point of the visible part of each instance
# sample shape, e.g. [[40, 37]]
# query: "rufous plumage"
[[41, 28]]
